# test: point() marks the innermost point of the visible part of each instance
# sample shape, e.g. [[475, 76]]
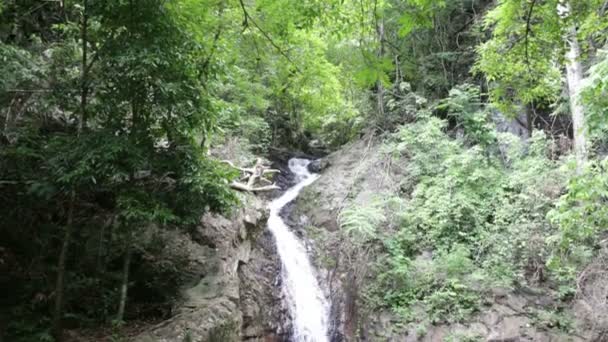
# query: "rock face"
[[235, 284], [265, 316]]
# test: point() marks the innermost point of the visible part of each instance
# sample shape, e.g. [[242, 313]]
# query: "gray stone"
[[318, 165], [212, 309]]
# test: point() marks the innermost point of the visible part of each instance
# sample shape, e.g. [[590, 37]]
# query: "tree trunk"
[[100, 263], [125, 285], [57, 329], [7, 120], [530, 119], [61, 267], [398, 77], [379, 85], [84, 87], [574, 75]]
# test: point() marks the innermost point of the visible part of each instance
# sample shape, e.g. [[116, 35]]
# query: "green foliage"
[[447, 212], [440, 286], [464, 106], [112, 145], [514, 245], [420, 14], [581, 217], [277, 83], [595, 99], [455, 187], [553, 319], [531, 75], [376, 70], [18, 65], [108, 168], [362, 220], [474, 217], [523, 59], [431, 42], [403, 105]]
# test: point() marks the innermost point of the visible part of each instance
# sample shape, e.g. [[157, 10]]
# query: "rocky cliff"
[[233, 295]]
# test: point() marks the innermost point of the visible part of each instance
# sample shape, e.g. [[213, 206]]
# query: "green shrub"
[[464, 106], [456, 187]]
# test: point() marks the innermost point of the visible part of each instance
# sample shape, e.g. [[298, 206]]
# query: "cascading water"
[[307, 304]]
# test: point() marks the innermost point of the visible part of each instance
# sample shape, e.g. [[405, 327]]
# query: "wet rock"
[[318, 165], [315, 215], [265, 315]]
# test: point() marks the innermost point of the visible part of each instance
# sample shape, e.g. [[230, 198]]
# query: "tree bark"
[[84, 69], [252, 175], [61, 268], [379, 85], [530, 119], [574, 75], [124, 287], [574, 71]]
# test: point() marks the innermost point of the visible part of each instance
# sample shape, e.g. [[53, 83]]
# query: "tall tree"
[[533, 43], [574, 76], [69, 227]]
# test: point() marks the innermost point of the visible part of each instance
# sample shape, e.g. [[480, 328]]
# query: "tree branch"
[[252, 175], [244, 187], [216, 37], [528, 32], [249, 18]]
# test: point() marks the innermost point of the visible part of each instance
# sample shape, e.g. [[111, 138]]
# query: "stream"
[[308, 306]]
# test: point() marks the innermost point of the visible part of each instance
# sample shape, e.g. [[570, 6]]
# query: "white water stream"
[[307, 304]]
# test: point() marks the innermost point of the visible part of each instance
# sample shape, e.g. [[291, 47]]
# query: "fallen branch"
[[250, 170], [252, 175], [244, 187]]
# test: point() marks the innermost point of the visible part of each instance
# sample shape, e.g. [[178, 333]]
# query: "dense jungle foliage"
[[109, 112]]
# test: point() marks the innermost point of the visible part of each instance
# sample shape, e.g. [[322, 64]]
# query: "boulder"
[[318, 165]]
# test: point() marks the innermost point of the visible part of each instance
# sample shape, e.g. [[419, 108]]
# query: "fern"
[[362, 220]]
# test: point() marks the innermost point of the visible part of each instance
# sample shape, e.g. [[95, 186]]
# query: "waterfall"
[[307, 304]]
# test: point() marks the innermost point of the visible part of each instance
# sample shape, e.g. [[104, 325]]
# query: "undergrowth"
[[482, 210]]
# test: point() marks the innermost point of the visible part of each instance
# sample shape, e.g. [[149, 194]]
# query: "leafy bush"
[[455, 186], [440, 285], [403, 105], [514, 245], [463, 105]]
